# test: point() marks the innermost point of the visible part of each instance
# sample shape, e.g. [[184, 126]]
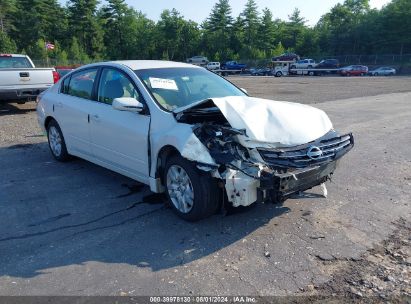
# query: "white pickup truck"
[[21, 81]]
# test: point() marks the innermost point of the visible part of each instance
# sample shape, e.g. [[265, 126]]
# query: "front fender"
[[182, 138]]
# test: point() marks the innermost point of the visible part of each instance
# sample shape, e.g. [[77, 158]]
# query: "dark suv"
[[328, 64], [286, 57]]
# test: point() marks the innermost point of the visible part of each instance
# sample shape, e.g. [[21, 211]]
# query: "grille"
[[315, 153]]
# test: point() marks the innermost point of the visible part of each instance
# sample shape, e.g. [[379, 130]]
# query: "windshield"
[[8, 62], [174, 88]]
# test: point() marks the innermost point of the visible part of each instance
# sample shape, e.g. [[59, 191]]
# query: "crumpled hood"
[[276, 123]]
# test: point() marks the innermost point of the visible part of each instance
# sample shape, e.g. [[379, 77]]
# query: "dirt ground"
[[313, 90], [77, 229]]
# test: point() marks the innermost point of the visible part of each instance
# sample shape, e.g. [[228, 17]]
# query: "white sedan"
[[383, 71], [189, 133]]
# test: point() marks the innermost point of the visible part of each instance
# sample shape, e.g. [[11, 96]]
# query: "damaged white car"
[[189, 133]]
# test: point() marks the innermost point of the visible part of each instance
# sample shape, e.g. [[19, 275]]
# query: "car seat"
[[112, 89]]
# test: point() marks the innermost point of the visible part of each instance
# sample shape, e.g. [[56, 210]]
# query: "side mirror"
[[244, 90], [128, 104]]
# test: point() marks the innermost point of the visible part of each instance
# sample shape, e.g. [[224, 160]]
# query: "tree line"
[[86, 30]]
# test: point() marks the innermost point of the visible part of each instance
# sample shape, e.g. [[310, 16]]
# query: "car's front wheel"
[[56, 142], [193, 194]]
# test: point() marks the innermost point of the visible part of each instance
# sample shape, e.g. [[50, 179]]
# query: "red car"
[[354, 70], [64, 70], [286, 57]]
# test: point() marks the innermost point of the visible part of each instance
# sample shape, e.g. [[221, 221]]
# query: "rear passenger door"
[[73, 108]]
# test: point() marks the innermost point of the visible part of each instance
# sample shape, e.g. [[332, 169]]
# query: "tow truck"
[[283, 68]]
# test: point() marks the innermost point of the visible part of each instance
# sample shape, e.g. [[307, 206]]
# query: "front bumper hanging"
[[295, 178]]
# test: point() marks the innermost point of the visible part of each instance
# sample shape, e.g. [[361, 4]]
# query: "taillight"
[[56, 76]]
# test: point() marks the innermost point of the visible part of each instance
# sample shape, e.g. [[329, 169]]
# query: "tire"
[[193, 194], [375, 74], [56, 142], [311, 73], [391, 74], [278, 74]]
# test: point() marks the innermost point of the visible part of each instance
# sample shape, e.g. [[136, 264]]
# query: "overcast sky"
[[198, 11]]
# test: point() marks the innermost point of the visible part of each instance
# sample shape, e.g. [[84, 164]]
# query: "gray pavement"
[[78, 229]]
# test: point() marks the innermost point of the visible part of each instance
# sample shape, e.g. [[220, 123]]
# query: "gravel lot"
[[78, 229], [321, 89]]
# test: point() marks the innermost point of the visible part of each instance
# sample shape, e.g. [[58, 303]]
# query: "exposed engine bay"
[[254, 170]]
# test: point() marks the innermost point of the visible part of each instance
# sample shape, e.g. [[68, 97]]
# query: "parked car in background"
[[383, 71], [233, 65], [189, 133], [261, 72], [213, 66], [21, 81], [354, 70], [328, 64], [304, 64], [63, 70], [198, 60], [286, 57]]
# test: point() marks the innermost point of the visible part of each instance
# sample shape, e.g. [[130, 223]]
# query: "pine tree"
[[218, 29], [7, 8], [7, 45], [85, 26], [250, 20], [118, 26], [294, 28], [266, 32], [38, 19]]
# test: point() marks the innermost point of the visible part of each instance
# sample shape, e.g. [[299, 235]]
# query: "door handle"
[[96, 118], [59, 105]]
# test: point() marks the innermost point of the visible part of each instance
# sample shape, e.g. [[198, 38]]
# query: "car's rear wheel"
[[56, 142], [278, 74], [375, 74], [193, 194]]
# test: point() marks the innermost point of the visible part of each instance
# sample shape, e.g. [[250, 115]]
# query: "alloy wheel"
[[55, 141], [180, 189]]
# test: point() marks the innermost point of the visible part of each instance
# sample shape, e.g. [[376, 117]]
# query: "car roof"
[[151, 64], [13, 55]]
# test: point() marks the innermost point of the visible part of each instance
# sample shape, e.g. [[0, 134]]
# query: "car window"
[[81, 84], [115, 84], [9, 62], [65, 85], [173, 88]]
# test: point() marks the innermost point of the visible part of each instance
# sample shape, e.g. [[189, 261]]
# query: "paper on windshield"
[[161, 83]]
